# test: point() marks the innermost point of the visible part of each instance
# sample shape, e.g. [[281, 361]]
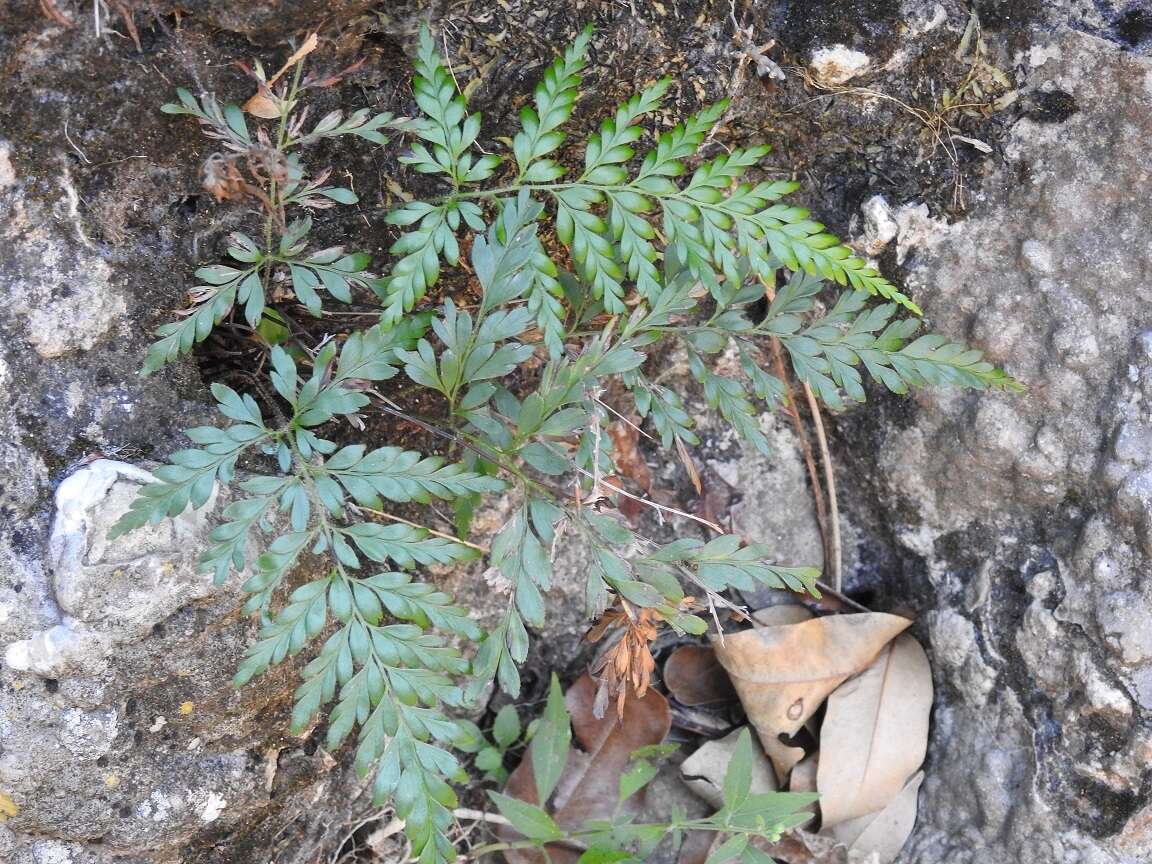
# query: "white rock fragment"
[[212, 808], [1038, 256], [838, 64], [910, 225], [135, 580], [7, 172], [48, 653], [82, 319], [880, 227], [110, 591], [158, 807], [1038, 55], [76, 499], [54, 852], [88, 734]]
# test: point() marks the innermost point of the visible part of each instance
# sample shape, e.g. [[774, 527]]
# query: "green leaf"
[[730, 850], [636, 777], [551, 743], [490, 759], [402, 476], [501, 258], [545, 459], [552, 106], [405, 545], [220, 294], [506, 728], [738, 778], [190, 477], [448, 130], [528, 819]]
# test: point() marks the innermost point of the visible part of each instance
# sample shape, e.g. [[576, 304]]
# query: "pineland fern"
[[665, 248]]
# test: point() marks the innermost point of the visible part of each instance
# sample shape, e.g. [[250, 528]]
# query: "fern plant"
[[663, 250]]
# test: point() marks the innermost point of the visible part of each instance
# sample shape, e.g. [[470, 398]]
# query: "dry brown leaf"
[[875, 733], [704, 770], [627, 456], [783, 673], [883, 834], [801, 847], [803, 777], [782, 613], [308, 46], [695, 677], [689, 466], [589, 787], [626, 665], [262, 104]]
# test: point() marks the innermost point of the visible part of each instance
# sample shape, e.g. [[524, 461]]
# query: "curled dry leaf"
[[626, 453], [695, 677], [783, 673], [704, 771], [783, 613], [883, 834], [628, 458], [626, 665], [263, 103], [589, 786], [875, 733], [689, 466], [803, 777]]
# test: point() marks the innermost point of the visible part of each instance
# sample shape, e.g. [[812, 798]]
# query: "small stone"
[[88, 734], [838, 64], [7, 172], [1037, 255], [880, 226], [1126, 619]]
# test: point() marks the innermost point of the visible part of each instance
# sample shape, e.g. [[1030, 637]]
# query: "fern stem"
[[654, 505], [431, 531]]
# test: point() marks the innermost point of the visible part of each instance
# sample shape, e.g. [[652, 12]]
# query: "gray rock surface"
[[1026, 519], [1019, 528]]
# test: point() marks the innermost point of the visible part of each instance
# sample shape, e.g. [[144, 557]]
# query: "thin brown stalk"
[[801, 433], [834, 564]]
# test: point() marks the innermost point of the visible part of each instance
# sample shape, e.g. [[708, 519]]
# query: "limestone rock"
[[838, 64]]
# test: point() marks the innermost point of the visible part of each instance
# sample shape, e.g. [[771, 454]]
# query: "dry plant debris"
[[875, 733], [868, 748], [589, 780], [784, 673], [695, 677]]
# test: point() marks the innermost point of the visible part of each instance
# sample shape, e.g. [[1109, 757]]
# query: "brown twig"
[[833, 552], [801, 433]]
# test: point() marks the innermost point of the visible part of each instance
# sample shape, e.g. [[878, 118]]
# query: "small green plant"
[[662, 250], [743, 817], [489, 754]]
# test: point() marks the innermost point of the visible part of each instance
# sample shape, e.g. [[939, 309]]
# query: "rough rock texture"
[[1017, 528], [1030, 516]]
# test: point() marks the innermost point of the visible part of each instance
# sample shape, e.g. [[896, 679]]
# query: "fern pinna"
[[666, 248]]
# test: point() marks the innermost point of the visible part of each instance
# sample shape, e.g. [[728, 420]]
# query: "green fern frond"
[[540, 124], [669, 254]]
